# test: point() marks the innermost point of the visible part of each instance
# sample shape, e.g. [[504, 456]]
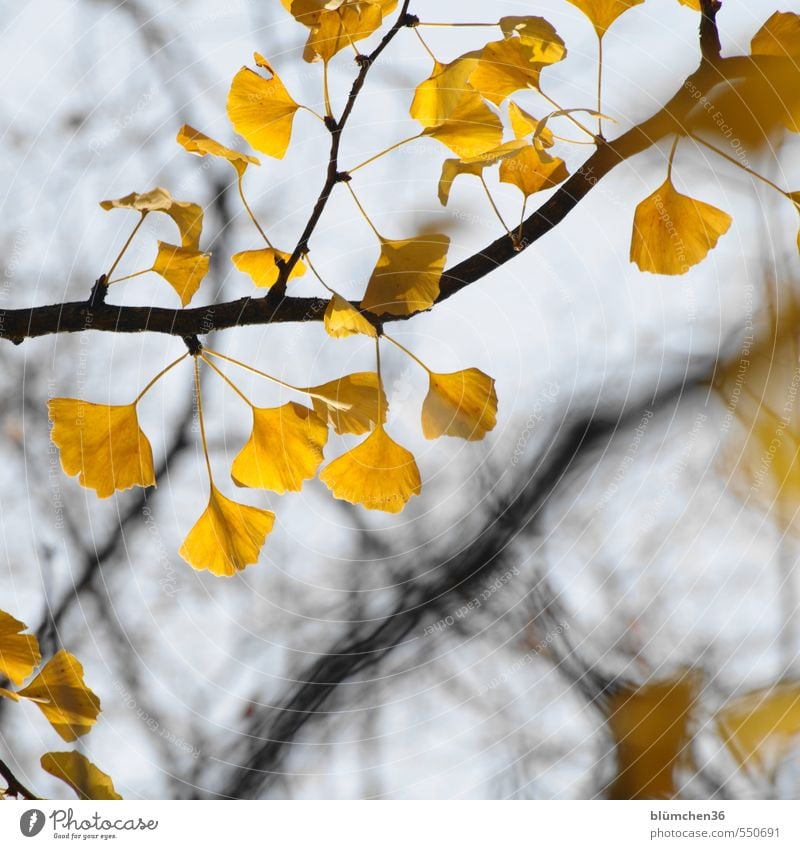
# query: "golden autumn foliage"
[[80, 774]]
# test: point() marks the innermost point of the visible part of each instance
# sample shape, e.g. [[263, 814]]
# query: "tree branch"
[[80, 316], [14, 786]]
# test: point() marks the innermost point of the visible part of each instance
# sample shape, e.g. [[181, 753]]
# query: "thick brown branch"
[[14, 786], [80, 316]]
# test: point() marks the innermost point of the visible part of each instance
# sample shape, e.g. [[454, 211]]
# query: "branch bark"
[[14, 786], [80, 316]]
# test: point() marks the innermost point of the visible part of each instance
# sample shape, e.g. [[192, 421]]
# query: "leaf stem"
[[425, 45], [567, 113], [202, 423], [363, 212], [126, 245], [600, 86], [229, 382], [251, 214], [405, 350], [159, 376], [325, 90], [494, 205], [741, 165], [384, 152], [254, 370], [459, 24], [129, 276], [672, 157]]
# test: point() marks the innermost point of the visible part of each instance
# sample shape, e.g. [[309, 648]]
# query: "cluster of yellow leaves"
[[653, 726], [61, 694]]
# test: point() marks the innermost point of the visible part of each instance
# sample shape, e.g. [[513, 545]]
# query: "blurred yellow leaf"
[[649, 725], [284, 449], [672, 232], [188, 216], [102, 444], [183, 268], [462, 404], [200, 144], [228, 536], [19, 653], [759, 728], [261, 109], [62, 696], [406, 277], [354, 403], [603, 13], [80, 774], [779, 36], [533, 170], [692, 4], [343, 319], [378, 474], [262, 267]]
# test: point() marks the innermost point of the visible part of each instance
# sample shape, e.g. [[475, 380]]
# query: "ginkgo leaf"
[[649, 725], [262, 110], [262, 267], [284, 449], [603, 13], [19, 653], [406, 277], [692, 4], [523, 124], [102, 444], [452, 168], [308, 12], [62, 696], [354, 403], [505, 67], [378, 474], [539, 35], [436, 98], [779, 36], [343, 319], [533, 170], [470, 129], [228, 537], [672, 232], [80, 774], [200, 144], [759, 728], [462, 404], [183, 268], [338, 28], [188, 216]]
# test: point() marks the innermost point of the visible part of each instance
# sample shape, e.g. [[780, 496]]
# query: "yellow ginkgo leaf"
[[354, 403], [452, 168], [603, 13], [102, 444], [470, 129], [338, 28], [649, 725], [779, 36], [406, 277], [284, 449], [436, 98], [462, 404], [672, 232], [183, 268], [539, 35], [692, 4], [262, 110], [262, 267], [760, 727], [505, 67], [80, 774], [378, 474], [523, 124], [19, 653], [62, 696], [533, 170], [188, 216], [228, 537], [200, 144], [343, 319], [308, 12]]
